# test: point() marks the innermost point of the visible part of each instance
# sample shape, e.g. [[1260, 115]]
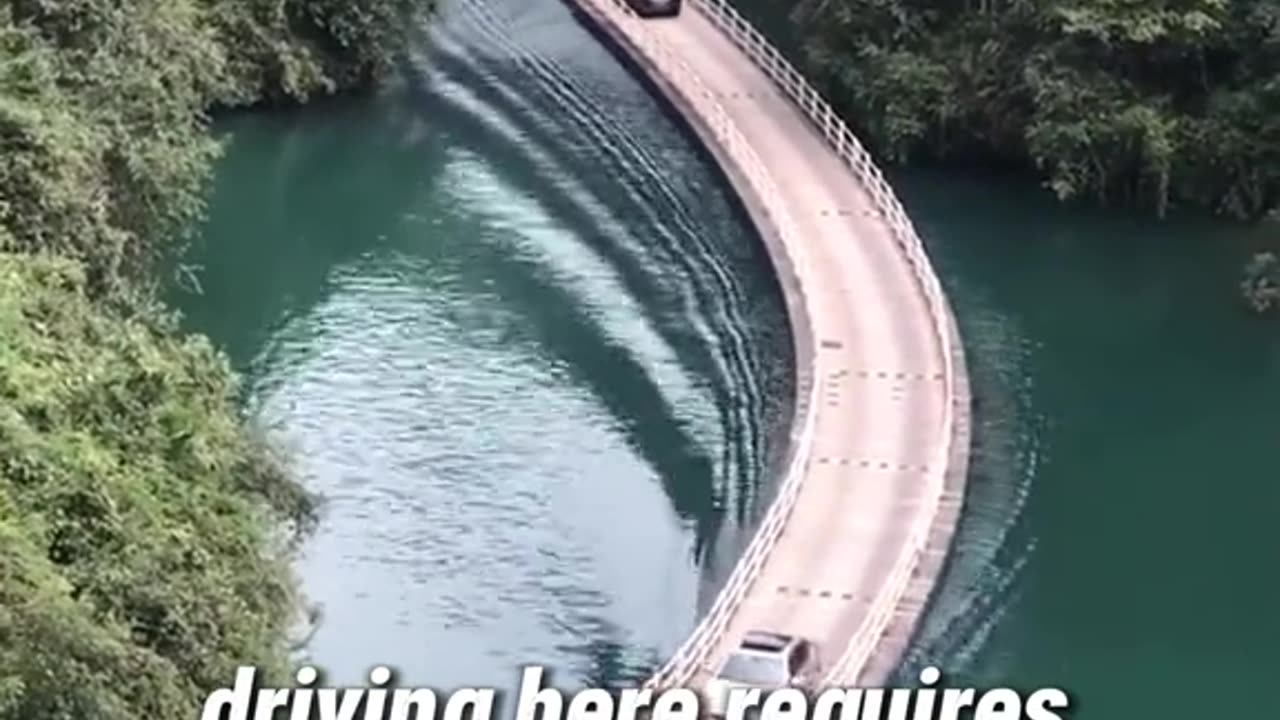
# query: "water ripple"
[[518, 337]]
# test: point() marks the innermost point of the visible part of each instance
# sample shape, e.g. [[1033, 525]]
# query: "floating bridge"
[[849, 550]]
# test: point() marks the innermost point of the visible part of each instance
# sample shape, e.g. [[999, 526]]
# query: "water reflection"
[[523, 344]]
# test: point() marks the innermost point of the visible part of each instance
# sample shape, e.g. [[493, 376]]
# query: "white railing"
[[693, 91], [862, 645], [686, 661]]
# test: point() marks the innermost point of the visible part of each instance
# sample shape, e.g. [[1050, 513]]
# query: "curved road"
[[880, 441]]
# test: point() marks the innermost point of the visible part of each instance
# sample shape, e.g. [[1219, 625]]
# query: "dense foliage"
[[1145, 102], [103, 125], [143, 532], [293, 49], [140, 560]]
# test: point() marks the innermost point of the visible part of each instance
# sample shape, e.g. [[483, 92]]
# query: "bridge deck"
[[875, 356]]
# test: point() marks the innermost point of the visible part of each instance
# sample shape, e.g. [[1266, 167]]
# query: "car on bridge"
[[765, 660], [655, 8]]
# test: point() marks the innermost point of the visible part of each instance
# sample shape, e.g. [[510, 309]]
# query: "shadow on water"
[[400, 156], [614, 665], [557, 141], [595, 120], [497, 309], [629, 232], [559, 326], [397, 156]]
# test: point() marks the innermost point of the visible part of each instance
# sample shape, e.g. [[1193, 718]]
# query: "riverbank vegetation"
[[1153, 103], [143, 530], [104, 110]]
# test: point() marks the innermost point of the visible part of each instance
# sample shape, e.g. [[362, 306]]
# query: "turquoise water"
[[516, 332], [1119, 539]]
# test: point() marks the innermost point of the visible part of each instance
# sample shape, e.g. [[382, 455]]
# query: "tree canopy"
[[104, 109], [141, 552], [1152, 103], [143, 529]]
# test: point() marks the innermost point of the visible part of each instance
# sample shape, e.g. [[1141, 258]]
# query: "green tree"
[[1151, 103], [144, 534], [107, 151], [141, 557], [291, 50]]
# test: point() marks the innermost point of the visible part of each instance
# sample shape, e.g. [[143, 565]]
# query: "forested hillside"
[[143, 530], [1152, 103]]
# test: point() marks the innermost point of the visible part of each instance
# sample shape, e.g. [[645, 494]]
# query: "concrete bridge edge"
[[920, 592]]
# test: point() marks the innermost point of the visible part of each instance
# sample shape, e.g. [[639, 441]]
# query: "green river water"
[[514, 329]]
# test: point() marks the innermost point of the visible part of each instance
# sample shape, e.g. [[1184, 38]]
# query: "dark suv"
[[655, 8]]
